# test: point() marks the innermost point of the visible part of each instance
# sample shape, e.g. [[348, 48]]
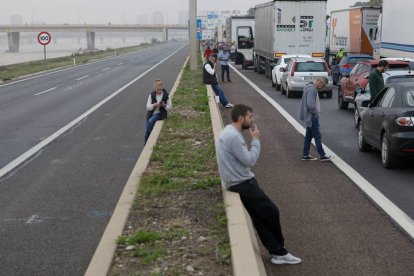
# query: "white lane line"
[[119, 64], [401, 218], [107, 68], [20, 159], [15, 101], [131, 60], [40, 93], [82, 77]]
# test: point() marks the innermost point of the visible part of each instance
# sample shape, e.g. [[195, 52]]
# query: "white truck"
[[395, 35], [240, 29], [353, 30], [288, 27]]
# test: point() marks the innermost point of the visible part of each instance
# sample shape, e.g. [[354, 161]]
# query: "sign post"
[[44, 38]]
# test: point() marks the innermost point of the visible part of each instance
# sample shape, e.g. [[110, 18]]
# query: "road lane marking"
[[15, 101], [107, 68], [26, 155], [81, 78], [401, 218], [119, 64], [40, 93]]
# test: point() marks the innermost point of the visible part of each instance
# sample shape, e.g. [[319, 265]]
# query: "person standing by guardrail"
[[235, 160]]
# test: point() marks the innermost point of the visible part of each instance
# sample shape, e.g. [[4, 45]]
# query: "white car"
[[410, 60], [281, 63]]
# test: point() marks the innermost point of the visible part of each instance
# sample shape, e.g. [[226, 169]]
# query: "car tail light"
[[293, 69], [405, 121], [347, 66]]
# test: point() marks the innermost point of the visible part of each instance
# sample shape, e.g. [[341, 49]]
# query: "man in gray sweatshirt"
[[235, 160], [309, 113]]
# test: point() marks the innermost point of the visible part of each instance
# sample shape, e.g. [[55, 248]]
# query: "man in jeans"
[[210, 77], [309, 113], [234, 160]]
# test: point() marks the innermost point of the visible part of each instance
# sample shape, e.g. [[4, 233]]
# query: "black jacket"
[[207, 78], [163, 111]]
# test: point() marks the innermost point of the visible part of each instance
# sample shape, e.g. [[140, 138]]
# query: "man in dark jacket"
[[210, 77], [376, 81]]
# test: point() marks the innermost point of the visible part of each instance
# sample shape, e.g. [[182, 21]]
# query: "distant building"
[[16, 19], [158, 18], [143, 19]]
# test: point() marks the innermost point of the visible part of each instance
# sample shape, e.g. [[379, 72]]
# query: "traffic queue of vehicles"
[[294, 42]]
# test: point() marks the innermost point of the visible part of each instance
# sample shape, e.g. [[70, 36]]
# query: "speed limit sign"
[[44, 38]]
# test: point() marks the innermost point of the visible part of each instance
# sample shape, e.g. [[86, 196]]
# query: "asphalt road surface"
[[326, 219], [55, 205], [340, 135]]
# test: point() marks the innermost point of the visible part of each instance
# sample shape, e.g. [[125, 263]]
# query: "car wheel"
[[288, 92], [282, 89], [356, 117], [362, 145], [341, 103], [328, 94], [277, 85], [273, 83], [389, 161]]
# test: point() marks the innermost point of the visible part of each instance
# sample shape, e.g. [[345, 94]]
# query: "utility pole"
[[193, 34]]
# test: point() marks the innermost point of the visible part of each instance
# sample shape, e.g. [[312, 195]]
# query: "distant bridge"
[[13, 31]]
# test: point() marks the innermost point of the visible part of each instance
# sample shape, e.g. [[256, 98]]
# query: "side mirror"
[[365, 103], [282, 69]]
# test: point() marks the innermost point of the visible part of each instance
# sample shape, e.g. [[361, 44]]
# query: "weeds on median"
[[178, 225]]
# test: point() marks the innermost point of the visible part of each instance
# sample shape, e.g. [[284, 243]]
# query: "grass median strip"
[[177, 225]]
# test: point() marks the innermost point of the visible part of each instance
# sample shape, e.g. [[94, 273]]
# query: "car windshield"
[[400, 79], [287, 60], [310, 67], [354, 60], [410, 98]]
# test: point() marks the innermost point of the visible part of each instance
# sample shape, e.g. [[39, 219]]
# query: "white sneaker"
[[285, 259], [229, 105]]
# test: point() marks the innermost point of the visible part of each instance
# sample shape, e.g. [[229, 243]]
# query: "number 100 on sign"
[[44, 38]]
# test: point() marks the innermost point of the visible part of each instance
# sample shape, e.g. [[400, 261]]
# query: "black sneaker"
[[326, 158], [309, 158]]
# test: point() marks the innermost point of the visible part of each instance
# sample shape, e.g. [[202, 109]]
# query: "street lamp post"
[[193, 34]]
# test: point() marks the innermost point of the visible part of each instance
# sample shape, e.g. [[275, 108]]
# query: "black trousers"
[[264, 215], [225, 68]]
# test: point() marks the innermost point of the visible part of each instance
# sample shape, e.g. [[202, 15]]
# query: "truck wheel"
[[341, 103], [389, 161], [255, 64]]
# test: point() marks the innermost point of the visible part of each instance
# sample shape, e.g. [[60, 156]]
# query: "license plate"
[[310, 78]]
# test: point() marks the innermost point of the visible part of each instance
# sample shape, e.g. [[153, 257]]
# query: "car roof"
[[359, 55], [376, 61], [400, 59], [403, 85], [305, 59]]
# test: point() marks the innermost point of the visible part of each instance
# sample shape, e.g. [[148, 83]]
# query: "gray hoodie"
[[309, 106]]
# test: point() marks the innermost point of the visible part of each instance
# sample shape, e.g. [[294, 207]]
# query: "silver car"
[[301, 71]]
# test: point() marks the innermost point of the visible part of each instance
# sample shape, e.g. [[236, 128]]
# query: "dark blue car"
[[346, 64]]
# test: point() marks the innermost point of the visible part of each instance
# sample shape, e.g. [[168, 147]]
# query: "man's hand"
[[254, 132]]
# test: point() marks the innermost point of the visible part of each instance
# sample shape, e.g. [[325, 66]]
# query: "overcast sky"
[[119, 11]]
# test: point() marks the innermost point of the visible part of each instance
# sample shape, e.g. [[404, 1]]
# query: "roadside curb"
[[245, 252], [104, 253]]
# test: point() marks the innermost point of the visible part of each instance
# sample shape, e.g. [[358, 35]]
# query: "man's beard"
[[245, 126]]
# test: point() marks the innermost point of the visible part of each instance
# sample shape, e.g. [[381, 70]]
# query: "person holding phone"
[[158, 105], [235, 160]]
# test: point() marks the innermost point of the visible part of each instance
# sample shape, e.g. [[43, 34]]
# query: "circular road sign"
[[44, 38]]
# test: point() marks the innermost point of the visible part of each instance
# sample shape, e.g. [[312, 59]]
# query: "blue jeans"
[[219, 92], [150, 125], [313, 132], [225, 68]]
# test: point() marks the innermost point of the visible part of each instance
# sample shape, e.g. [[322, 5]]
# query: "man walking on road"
[[376, 81], [309, 113], [210, 77], [235, 160]]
